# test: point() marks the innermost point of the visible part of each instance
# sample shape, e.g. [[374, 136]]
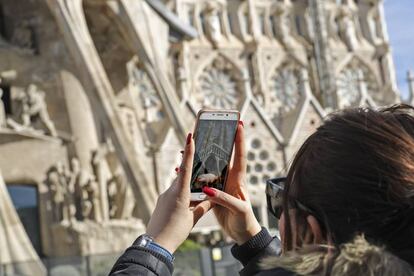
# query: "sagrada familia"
[[97, 97]]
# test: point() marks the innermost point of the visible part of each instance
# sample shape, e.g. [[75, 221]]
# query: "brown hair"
[[356, 172]]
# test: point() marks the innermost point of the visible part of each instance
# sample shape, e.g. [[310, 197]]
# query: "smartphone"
[[214, 136]]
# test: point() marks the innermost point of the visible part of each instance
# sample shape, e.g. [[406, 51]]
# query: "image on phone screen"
[[213, 148]]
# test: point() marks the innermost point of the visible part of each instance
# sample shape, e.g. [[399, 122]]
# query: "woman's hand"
[[172, 219], [233, 209]]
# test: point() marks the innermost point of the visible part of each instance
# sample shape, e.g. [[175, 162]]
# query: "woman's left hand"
[[172, 219]]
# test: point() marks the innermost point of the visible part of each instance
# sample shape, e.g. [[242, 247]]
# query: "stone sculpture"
[[284, 24], [212, 23], [33, 106], [57, 193], [347, 28], [90, 200]]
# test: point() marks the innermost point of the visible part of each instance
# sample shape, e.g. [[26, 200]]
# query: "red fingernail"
[[241, 123], [209, 191], [189, 138], [177, 170]]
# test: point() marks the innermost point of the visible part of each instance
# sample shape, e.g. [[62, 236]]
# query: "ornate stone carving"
[[62, 189], [346, 27], [218, 85], [353, 82], [90, 200], [349, 93], [283, 24], [213, 23], [260, 165], [284, 90], [33, 107], [147, 95]]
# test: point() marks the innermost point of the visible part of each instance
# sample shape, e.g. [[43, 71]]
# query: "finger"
[[240, 162], [227, 201], [184, 176], [201, 209]]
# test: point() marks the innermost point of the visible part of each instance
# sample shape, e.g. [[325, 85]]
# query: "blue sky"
[[400, 21]]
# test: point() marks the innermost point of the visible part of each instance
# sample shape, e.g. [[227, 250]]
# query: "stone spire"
[[410, 80]]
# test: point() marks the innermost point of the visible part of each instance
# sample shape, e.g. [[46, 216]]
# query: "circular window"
[[264, 155], [258, 168], [250, 156], [254, 180], [256, 144], [271, 166]]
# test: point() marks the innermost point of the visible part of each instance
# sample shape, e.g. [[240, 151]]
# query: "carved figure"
[[347, 28], [34, 105], [62, 193], [121, 199], [57, 192], [374, 24], [212, 23], [284, 25], [90, 200]]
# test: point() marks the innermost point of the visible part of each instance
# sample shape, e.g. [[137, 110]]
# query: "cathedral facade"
[[97, 97]]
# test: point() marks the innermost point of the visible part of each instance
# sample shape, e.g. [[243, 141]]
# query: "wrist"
[[147, 242], [165, 244], [249, 233]]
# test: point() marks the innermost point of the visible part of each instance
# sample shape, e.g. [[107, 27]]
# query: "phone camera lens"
[[227, 114]]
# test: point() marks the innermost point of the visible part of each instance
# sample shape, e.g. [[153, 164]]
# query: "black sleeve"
[[140, 261], [250, 253]]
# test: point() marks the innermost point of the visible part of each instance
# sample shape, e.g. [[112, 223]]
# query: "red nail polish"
[[241, 123], [189, 136], [177, 169], [209, 191]]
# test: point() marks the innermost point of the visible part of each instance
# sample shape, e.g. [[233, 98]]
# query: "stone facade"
[[98, 95]]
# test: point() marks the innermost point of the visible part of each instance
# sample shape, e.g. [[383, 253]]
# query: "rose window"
[[285, 90], [218, 87], [348, 88]]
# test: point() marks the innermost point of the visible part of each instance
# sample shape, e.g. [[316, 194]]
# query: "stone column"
[[84, 130], [81, 119], [323, 55], [410, 79], [70, 18], [16, 252]]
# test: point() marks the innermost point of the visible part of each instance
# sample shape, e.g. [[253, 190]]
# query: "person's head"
[[356, 174]]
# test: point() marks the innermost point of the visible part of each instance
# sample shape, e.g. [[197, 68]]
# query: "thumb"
[[201, 209], [230, 202]]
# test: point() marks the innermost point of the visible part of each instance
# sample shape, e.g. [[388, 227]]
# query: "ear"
[[314, 227]]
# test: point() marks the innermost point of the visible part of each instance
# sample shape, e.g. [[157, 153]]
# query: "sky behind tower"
[[400, 20]]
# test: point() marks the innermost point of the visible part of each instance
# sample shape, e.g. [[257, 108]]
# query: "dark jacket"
[[259, 257], [139, 261]]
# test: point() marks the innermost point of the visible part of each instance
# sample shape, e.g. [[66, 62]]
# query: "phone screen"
[[213, 148]]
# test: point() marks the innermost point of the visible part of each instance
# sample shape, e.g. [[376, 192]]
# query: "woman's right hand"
[[232, 207]]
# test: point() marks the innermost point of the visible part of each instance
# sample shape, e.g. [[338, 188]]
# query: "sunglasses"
[[274, 198]]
